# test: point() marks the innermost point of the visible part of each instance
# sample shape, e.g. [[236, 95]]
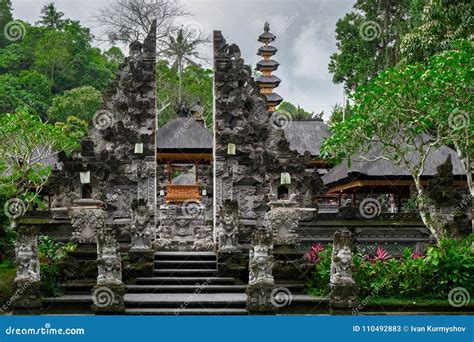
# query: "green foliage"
[[339, 113], [7, 275], [443, 268], [26, 143], [439, 24], [197, 89], [293, 112], [80, 102], [5, 17], [51, 16], [50, 253], [28, 89], [368, 41], [318, 285]]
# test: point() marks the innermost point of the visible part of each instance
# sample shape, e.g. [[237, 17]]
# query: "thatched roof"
[[306, 135], [183, 134], [378, 169]]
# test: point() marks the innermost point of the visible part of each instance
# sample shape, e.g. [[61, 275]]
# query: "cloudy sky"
[[305, 37]]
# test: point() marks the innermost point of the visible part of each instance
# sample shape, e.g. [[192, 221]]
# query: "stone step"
[[304, 304], [209, 256], [185, 300], [195, 264], [187, 311], [186, 288], [68, 304], [184, 280], [185, 272]]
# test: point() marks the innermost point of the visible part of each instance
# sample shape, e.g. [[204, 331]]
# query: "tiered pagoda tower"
[[267, 82]]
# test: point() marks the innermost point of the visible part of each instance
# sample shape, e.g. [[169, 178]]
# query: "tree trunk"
[[429, 221]]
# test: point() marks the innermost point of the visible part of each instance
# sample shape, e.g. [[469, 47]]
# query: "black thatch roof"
[[379, 169], [183, 134], [306, 135]]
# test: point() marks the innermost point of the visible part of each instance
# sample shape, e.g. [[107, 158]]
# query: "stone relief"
[[26, 254], [228, 230], [86, 219], [261, 258], [141, 229], [109, 262]]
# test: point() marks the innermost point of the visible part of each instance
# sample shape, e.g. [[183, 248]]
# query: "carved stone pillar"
[[141, 249], [344, 289], [27, 284], [229, 255], [261, 282], [108, 294]]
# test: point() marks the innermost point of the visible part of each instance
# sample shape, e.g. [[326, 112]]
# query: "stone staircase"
[[185, 283]]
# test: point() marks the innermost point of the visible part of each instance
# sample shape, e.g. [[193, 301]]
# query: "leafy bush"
[[414, 275], [319, 283], [50, 252], [7, 275]]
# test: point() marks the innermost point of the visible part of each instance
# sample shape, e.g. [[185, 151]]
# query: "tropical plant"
[[50, 253], [313, 254], [182, 50], [51, 17]]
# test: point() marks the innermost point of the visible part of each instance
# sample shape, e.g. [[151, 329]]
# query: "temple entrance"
[[184, 186]]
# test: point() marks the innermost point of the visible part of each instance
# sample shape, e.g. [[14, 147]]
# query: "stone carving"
[[228, 231], [261, 282], [87, 217], [344, 289], [26, 254], [109, 262], [141, 227], [282, 219], [27, 283], [203, 239], [261, 258]]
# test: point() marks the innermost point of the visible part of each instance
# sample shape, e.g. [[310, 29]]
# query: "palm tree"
[[182, 50], [51, 16]]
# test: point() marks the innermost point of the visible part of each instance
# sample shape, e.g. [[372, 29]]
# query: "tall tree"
[[5, 18], [406, 113], [439, 24], [51, 17], [182, 50], [368, 41], [126, 21]]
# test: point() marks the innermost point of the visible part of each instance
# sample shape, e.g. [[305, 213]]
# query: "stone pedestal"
[[141, 263], [344, 296], [108, 298], [27, 298], [259, 298]]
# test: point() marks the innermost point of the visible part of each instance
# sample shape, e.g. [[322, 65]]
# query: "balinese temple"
[[184, 182], [267, 82]]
